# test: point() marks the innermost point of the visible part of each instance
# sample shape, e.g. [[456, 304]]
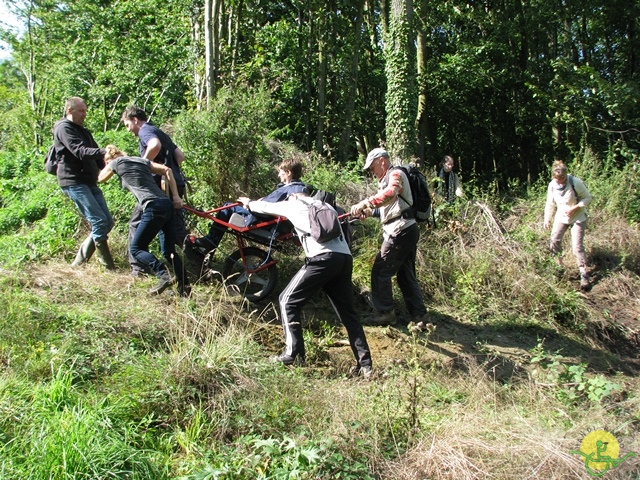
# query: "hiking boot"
[[381, 319], [288, 359], [184, 291], [584, 281], [364, 371], [204, 245], [164, 282]]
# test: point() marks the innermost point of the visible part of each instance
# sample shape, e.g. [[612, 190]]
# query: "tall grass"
[[99, 380]]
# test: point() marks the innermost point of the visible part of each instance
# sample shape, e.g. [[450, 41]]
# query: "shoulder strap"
[[570, 179], [406, 173]]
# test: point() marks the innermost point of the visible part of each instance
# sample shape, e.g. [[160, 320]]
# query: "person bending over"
[[158, 214], [328, 267], [397, 254]]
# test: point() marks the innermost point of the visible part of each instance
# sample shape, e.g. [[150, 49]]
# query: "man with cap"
[[397, 254]]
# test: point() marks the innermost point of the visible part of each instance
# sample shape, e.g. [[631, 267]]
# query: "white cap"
[[373, 154]]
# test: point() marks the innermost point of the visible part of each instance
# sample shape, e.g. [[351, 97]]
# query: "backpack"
[[421, 208], [330, 198], [323, 222], [51, 161]]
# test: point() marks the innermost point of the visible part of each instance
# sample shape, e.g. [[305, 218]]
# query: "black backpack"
[[51, 161], [323, 222], [421, 208]]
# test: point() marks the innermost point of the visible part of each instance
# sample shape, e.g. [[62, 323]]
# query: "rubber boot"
[[104, 255], [85, 252]]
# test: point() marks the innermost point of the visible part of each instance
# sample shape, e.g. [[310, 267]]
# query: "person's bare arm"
[[153, 148], [105, 174], [178, 155], [159, 169]]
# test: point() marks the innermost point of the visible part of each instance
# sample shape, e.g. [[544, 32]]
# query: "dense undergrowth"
[[101, 381]]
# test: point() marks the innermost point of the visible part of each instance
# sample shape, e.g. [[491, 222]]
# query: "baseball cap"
[[373, 154]]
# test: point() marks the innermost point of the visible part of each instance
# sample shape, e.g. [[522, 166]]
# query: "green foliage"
[[332, 176], [571, 383], [70, 433], [256, 458], [225, 149]]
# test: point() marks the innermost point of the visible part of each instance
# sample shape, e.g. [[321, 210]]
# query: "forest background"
[[100, 381], [504, 87]]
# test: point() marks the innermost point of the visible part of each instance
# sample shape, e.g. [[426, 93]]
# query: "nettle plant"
[[570, 383]]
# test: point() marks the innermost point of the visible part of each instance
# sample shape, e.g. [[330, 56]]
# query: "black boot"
[[164, 282], [85, 252], [104, 255]]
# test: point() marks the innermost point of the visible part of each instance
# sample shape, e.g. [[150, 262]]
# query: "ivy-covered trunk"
[[402, 95]]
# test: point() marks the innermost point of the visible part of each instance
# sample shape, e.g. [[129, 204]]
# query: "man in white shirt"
[[328, 266]]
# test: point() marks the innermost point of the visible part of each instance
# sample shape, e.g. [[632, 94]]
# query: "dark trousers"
[[157, 219], [330, 272], [180, 229], [216, 232], [397, 256]]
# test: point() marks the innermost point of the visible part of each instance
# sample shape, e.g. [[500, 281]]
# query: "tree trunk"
[[212, 46], [422, 119], [322, 86], [343, 150], [401, 97]]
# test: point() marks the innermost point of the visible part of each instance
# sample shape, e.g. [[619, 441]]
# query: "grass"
[[99, 380]]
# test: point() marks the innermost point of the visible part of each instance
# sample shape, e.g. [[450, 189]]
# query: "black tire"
[[255, 287]]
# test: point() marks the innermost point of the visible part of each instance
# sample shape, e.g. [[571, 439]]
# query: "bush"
[[225, 150]]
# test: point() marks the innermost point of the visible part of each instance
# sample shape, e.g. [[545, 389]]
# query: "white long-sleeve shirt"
[[563, 198], [297, 212]]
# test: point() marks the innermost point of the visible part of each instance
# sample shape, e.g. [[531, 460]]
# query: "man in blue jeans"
[[80, 162]]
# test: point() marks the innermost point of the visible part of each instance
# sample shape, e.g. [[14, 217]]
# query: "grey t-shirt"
[[135, 176]]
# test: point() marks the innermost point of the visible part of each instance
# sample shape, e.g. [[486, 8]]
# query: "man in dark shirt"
[[155, 145], [80, 162]]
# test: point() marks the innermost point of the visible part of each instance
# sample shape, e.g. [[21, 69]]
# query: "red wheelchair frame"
[[250, 271]]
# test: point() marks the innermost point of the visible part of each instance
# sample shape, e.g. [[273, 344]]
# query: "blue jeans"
[[157, 219], [93, 207]]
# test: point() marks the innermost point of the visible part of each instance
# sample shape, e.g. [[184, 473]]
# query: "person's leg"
[[407, 281], [555, 242], [93, 207], [577, 243], [167, 237], [151, 222], [212, 239], [339, 289], [307, 281], [180, 228], [136, 267], [102, 203], [385, 266]]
